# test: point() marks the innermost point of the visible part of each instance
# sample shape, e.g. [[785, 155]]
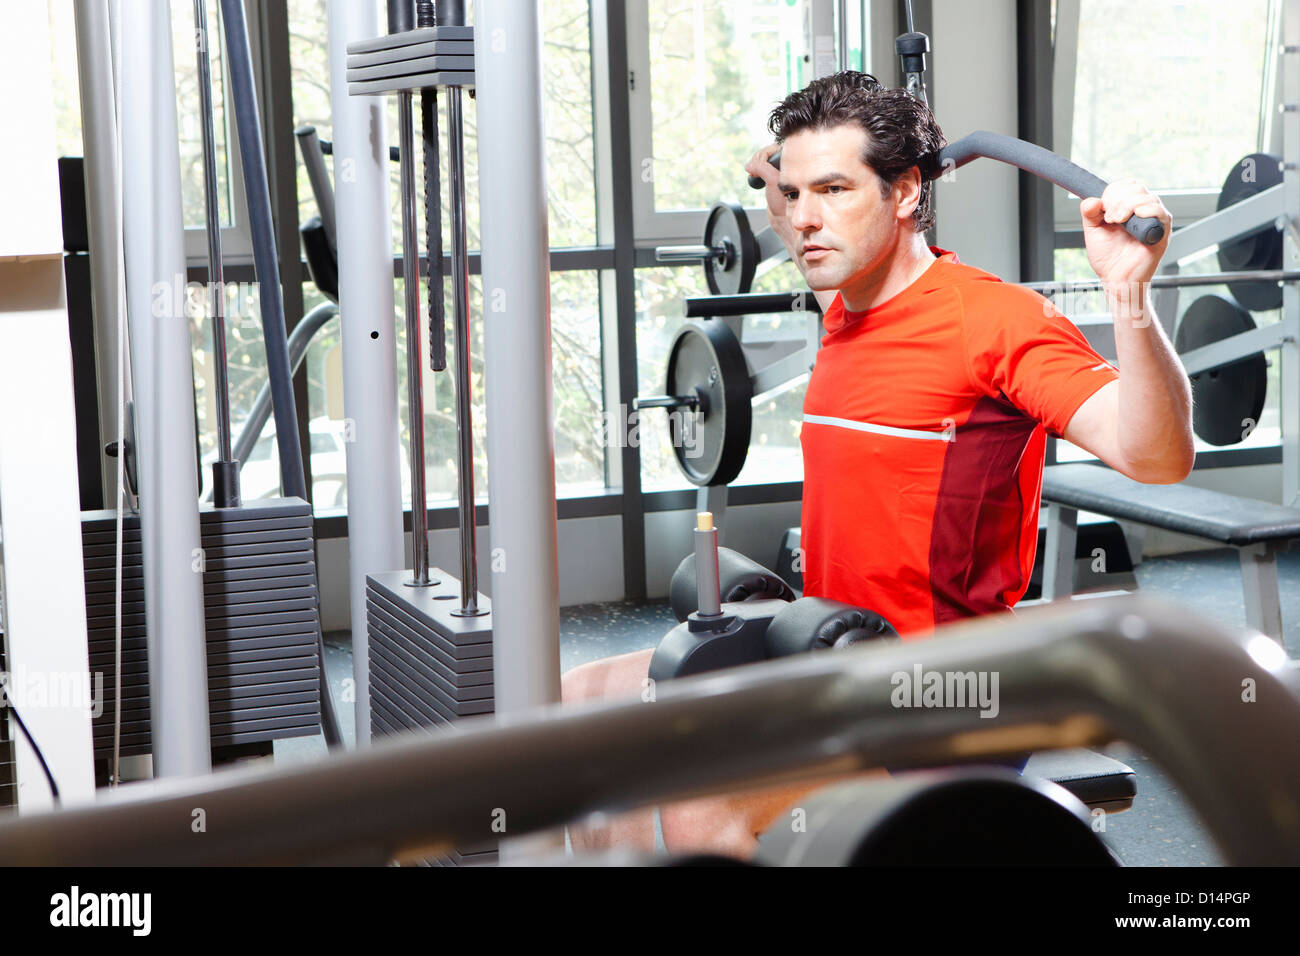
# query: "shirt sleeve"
[[1019, 346]]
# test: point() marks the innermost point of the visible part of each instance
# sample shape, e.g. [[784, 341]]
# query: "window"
[[1206, 99], [705, 76], [1090, 313], [1174, 99]]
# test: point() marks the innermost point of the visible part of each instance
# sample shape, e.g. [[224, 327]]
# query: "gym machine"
[[1077, 674], [204, 616], [430, 655], [435, 649]]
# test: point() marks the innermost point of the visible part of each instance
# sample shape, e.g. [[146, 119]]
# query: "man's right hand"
[[759, 166]]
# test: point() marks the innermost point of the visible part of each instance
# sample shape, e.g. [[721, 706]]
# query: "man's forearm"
[[1153, 423]]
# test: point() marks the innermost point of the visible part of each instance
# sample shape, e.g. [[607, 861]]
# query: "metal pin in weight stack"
[[706, 566], [453, 14], [399, 21]]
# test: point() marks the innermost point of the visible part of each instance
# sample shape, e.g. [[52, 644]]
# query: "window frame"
[[236, 238]]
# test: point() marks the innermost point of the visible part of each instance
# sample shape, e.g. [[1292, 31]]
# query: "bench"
[[1257, 529]]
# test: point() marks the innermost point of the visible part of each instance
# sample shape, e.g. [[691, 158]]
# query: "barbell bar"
[[1177, 281]]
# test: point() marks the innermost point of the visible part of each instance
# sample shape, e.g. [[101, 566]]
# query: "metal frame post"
[[100, 145], [1259, 589], [164, 395], [517, 352], [368, 332], [1058, 561], [1289, 355]]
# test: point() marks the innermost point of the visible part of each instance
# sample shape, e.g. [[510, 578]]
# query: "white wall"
[[973, 82]]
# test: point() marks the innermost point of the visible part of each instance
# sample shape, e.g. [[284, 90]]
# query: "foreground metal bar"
[[1071, 675], [517, 357]]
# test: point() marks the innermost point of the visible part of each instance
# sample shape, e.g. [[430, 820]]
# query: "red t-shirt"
[[923, 437]]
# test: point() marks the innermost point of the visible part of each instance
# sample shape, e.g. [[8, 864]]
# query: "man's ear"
[[907, 192]]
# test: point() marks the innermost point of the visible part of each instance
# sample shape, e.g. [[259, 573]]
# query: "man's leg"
[[612, 678], [729, 823]]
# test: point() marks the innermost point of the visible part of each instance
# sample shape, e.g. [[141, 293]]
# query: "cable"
[[22, 725]]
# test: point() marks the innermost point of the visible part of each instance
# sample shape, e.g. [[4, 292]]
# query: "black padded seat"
[[1200, 512], [1097, 780]]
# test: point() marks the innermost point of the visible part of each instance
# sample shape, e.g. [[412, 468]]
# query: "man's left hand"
[[1116, 256]]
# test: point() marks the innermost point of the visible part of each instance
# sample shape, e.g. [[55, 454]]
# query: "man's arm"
[[1140, 425], [760, 167]]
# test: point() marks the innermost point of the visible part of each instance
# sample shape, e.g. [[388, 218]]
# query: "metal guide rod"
[[460, 310], [1075, 674], [225, 474], [414, 362]]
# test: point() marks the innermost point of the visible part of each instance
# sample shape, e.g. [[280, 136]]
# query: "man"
[[926, 416]]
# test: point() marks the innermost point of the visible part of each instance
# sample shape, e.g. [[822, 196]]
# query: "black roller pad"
[[739, 579]]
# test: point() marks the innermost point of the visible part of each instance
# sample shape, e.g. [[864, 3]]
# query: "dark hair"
[[901, 130]]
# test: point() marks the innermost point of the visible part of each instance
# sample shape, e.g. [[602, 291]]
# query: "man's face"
[[844, 229]]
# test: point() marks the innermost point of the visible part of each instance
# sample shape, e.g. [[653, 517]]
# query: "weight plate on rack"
[[1261, 249], [1226, 401], [728, 226], [710, 442]]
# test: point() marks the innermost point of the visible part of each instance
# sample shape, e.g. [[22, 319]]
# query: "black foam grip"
[[756, 182], [739, 579], [816, 623], [1044, 164]]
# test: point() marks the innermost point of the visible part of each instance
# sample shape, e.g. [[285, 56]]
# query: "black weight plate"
[[1261, 249], [1257, 296], [711, 442], [728, 225], [1226, 401], [1249, 176]]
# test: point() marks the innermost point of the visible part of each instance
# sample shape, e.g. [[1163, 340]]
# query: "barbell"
[[708, 393]]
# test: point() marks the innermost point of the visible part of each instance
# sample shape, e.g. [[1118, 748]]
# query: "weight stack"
[[262, 615], [428, 667]]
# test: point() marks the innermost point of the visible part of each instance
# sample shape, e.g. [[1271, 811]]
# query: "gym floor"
[[1160, 829]]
